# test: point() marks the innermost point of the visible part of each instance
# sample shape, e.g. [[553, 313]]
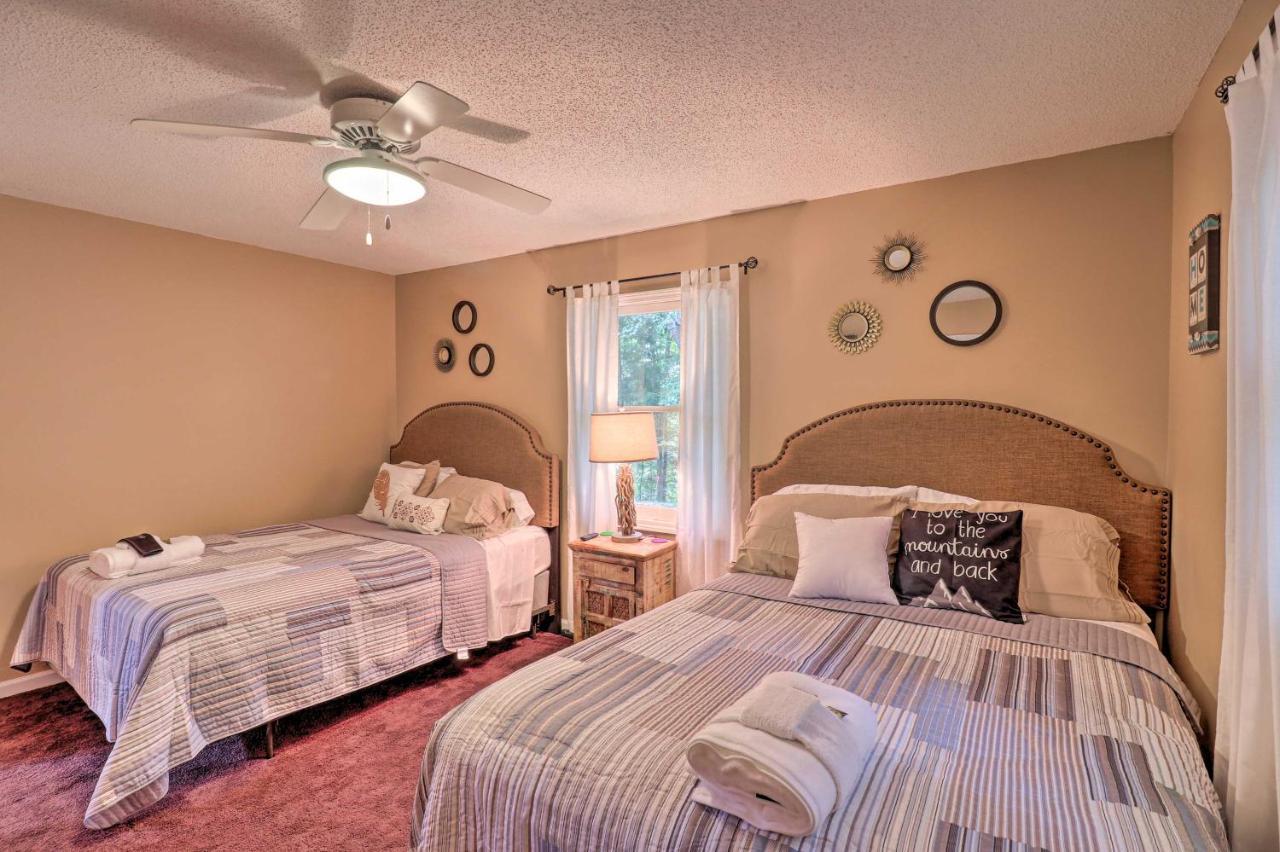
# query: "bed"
[[272, 620], [1056, 734]]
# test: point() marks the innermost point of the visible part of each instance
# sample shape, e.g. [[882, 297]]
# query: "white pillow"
[[418, 514], [391, 482], [906, 492], [445, 473], [928, 495], [843, 558], [523, 511]]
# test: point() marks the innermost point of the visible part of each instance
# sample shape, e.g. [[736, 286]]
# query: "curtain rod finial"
[[1223, 92]]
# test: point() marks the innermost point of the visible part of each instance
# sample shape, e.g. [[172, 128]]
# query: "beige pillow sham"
[[770, 546], [430, 473], [478, 508], [1070, 562]]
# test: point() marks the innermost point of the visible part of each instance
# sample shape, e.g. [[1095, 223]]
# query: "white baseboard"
[[28, 682]]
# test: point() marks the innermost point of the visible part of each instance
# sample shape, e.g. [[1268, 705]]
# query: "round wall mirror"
[[464, 317], [854, 327], [897, 258], [966, 313], [481, 359], [444, 355]]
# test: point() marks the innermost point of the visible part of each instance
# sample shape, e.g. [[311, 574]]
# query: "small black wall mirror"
[[464, 317], [966, 313], [481, 359]]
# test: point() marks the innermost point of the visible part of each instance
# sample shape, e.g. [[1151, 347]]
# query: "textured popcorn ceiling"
[[637, 114]]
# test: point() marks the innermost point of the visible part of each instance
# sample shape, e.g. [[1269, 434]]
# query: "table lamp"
[[624, 437]]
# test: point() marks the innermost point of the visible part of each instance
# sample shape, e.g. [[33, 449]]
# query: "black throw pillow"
[[952, 559]]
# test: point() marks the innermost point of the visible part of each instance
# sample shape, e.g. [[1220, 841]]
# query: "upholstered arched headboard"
[[988, 451], [488, 442]]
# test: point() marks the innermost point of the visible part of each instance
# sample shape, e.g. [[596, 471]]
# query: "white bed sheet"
[[1142, 631], [514, 558]]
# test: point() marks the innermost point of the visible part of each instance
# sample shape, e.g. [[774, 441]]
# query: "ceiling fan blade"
[[490, 187], [329, 211], [193, 129], [418, 112]]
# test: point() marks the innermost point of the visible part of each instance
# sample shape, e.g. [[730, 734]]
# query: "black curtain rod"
[[1223, 92], [746, 266]]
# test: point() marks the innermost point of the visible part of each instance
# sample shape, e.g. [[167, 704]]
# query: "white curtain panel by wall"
[[591, 335], [1248, 732], [709, 516]]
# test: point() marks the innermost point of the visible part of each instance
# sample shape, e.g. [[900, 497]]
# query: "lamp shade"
[[624, 436]]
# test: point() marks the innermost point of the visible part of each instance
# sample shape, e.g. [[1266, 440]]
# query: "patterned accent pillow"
[[953, 559], [418, 514], [391, 482]]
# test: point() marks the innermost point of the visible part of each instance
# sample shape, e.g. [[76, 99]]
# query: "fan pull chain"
[[368, 225]]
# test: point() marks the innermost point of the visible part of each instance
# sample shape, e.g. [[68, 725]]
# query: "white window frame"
[[651, 517]]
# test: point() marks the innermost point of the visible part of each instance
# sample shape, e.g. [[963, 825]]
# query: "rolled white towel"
[[122, 561], [185, 548], [774, 759], [112, 562]]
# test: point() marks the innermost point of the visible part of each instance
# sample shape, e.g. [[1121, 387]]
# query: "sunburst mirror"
[[444, 355], [854, 327], [899, 257]]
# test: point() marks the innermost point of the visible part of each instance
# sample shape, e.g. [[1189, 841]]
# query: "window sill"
[[664, 529], [658, 519]]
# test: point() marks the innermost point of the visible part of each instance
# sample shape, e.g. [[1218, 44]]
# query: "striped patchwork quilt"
[[268, 621], [1055, 734]]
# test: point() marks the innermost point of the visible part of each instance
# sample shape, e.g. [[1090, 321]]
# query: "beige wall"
[[1198, 383], [157, 380], [1077, 246]]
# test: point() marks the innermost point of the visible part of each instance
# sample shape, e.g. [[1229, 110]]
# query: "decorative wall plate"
[[854, 327], [899, 257]]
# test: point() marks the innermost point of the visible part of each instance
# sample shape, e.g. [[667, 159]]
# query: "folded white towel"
[[785, 754], [122, 561]]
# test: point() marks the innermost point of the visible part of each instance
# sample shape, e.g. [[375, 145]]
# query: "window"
[[649, 380]]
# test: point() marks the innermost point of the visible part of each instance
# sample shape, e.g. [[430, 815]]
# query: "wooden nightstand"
[[613, 582]]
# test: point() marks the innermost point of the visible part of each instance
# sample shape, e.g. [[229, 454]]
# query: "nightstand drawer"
[[601, 569]]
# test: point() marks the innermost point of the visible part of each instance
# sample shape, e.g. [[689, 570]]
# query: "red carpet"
[[343, 776]]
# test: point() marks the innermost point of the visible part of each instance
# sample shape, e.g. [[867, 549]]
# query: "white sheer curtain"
[[591, 333], [1245, 762], [710, 468]]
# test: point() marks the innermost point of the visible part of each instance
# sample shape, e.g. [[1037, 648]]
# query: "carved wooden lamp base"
[[626, 502]]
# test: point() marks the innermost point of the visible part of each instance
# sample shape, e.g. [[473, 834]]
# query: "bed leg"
[[269, 738]]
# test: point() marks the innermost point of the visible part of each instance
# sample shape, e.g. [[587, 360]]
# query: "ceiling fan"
[[382, 174]]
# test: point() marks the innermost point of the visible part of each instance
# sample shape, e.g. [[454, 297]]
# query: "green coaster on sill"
[[606, 533]]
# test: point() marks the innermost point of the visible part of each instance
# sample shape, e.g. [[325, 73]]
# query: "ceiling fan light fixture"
[[372, 180]]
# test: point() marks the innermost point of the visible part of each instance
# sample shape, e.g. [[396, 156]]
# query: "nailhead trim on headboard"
[[1108, 456]]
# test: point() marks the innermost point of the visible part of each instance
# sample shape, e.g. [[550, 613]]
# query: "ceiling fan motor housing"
[[355, 121]]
